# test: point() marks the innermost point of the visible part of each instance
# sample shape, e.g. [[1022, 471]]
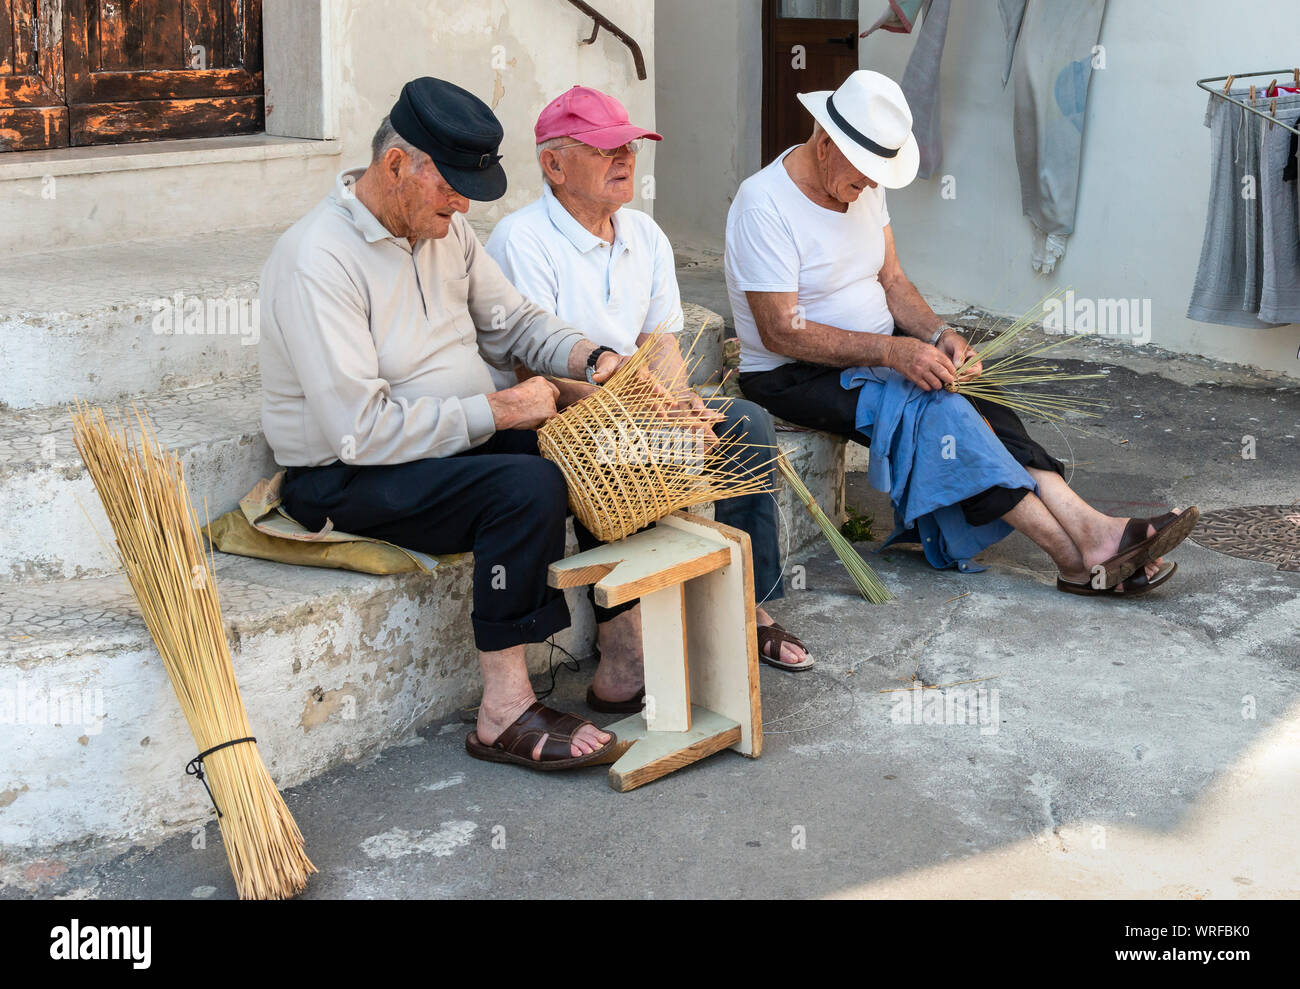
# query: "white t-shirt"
[[779, 240], [612, 292]]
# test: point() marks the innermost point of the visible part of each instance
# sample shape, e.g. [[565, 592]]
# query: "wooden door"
[[33, 114], [808, 45], [141, 70]]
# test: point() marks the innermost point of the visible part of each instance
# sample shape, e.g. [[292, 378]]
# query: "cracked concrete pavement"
[[1141, 748]]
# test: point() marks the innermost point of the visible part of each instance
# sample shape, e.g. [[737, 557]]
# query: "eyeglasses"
[[632, 147]]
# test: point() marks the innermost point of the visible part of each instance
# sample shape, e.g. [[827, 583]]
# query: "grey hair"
[[387, 137], [818, 131], [550, 145]]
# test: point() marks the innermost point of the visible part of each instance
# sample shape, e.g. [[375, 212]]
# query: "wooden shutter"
[[141, 70], [32, 110]]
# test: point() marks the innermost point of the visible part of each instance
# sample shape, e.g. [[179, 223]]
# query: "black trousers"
[[810, 395], [500, 500]]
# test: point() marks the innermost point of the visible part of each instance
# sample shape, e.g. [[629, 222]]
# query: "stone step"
[[332, 667], [216, 428], [84, 323], [107, 323], [52, 513], [818, 459]]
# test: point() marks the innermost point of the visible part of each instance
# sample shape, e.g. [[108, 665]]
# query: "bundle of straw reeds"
[[632, 453], [869, 585], [1014, 368], [142, 487]]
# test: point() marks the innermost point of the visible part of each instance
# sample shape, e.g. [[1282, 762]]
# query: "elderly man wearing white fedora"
[[835, 337]]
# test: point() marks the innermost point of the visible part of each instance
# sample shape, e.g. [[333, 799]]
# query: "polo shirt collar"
[[364, 220], [577, 235]]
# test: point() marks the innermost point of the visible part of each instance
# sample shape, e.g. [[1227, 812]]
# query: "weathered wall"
[[1142, 197], [709, 81], [517, 55]]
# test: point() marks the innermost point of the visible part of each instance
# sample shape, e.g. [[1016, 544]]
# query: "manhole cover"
[[1268, 533]]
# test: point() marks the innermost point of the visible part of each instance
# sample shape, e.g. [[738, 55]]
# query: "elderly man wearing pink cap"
[[579, 252]]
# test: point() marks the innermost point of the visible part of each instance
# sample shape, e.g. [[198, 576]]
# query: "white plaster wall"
[[384, 43], [374, 46], [709, 80], [1142, 197]]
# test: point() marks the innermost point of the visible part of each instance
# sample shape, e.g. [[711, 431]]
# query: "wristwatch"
[[938, 334], [592, 358]]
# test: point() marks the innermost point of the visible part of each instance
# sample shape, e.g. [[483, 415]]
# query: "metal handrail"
[[1260, 111], [601, 21]]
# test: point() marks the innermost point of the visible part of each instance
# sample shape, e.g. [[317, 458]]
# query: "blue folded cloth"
[[930, 450]]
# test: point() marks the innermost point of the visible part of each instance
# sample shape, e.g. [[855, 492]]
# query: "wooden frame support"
[[695, 579]]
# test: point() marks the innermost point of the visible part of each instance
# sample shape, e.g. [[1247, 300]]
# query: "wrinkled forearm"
[[912, 314], [786, 333]]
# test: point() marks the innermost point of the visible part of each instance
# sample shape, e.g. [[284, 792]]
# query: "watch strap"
[[592, 358]]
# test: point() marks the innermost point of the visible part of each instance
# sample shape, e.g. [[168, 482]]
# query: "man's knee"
[[534, 484], [749, 422]]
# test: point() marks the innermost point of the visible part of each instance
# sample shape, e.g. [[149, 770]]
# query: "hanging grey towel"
[[1230, 276], [1052, 69], [1279, 300], [1013, 12], [921, 85]]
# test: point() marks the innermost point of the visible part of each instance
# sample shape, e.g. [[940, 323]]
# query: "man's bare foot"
[[493, 720], [790, 653], [621, 672]]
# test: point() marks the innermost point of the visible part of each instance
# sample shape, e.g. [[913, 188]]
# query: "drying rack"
[[1267, 113]]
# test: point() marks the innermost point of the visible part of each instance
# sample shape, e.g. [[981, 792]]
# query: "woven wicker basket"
[[629, 461]]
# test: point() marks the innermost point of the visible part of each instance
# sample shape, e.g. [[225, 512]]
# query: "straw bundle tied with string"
[[629, 459], [1013, 366], [142, 487], [869, 585]]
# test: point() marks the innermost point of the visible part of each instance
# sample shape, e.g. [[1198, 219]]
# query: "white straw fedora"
[[870, 122]]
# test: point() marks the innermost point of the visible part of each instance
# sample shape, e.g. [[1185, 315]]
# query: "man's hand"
[[926, 366], [606, 364], [957, 350], [525, 406], [572, 392]]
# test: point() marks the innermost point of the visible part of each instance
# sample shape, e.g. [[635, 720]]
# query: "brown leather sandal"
[[1136, 548], [773, 635], [516, 743], [1134, 584]]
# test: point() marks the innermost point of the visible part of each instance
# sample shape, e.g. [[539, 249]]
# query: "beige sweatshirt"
[[370, 349]]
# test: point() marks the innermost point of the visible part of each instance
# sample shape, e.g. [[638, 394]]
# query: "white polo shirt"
[[611, 291]]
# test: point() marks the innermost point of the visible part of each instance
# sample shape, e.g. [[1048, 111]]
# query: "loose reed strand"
[[868, 584], [1010, 364]]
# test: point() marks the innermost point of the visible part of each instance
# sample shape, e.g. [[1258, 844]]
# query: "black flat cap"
[[458, 131]]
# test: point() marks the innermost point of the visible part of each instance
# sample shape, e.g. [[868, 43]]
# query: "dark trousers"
[[810, 395], [507, 505], [499, 500]]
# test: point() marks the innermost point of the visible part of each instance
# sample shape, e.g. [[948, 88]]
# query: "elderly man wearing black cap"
[[376, 307]]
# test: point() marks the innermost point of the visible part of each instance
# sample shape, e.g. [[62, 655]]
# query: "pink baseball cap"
[[589, 116]]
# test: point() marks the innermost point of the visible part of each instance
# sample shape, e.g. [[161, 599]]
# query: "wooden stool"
[[695, 579]]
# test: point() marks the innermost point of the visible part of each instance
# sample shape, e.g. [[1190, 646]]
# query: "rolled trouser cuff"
[[550, 618]]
